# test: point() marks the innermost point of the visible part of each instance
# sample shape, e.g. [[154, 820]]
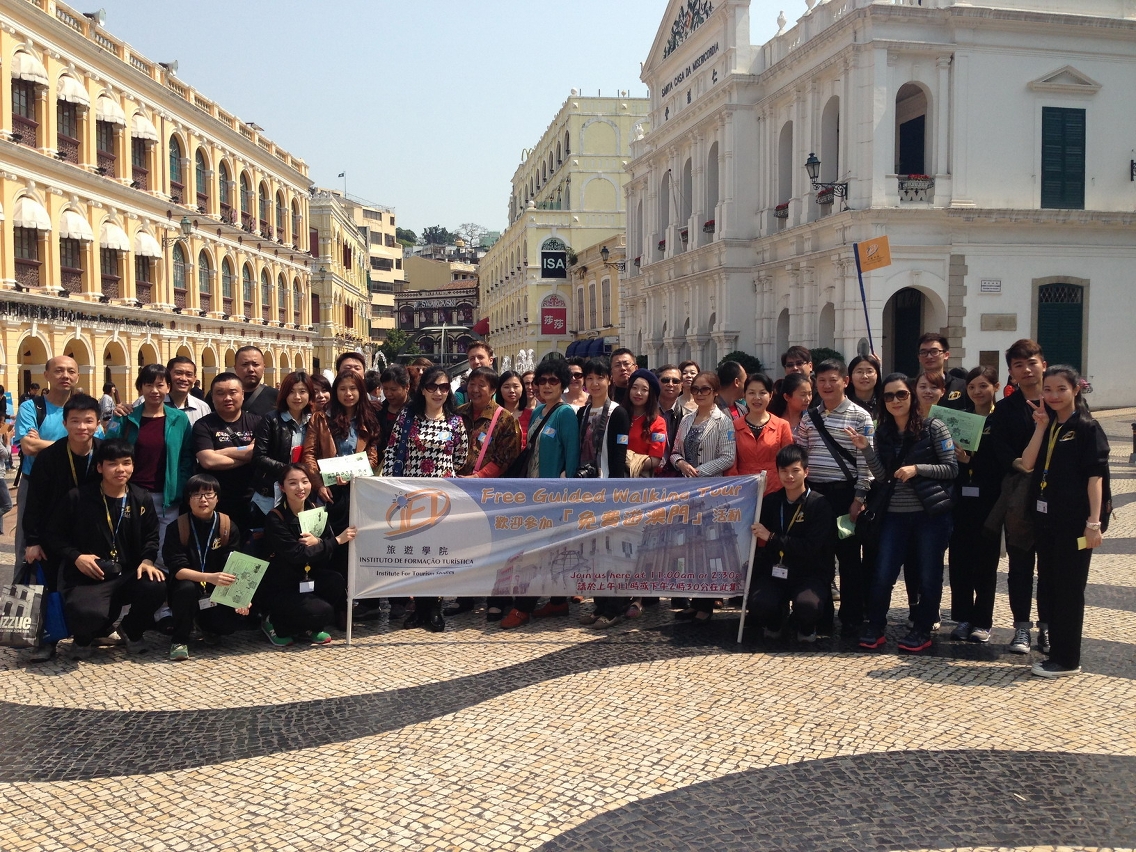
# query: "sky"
[[426, 105]]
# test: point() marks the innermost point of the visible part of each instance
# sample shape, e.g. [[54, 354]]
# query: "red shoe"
[[515, 618], [550, 609]]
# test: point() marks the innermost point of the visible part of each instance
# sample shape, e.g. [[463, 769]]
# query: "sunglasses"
[[576, 376], [547, 380], [670, 381], [901, 396], [795, 363], [701, 389], [438, 388]]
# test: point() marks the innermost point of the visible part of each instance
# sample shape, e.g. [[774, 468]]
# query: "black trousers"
[[771, 600], [855, 571], [1063, 571], [184, 595], [973, 565], [528, 604], [91, 607], [293, 612], [1020, 583]]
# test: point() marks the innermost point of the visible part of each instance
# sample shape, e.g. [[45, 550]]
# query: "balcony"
[[206, 302], [27, 273], [227, 214], [25, 130], [111, 286], [180, 298], [177, 192], [916, 187], [145, 291], [141, 178], [202, 202], [71, 280], [781, 211], [68, 148], [227, 306], [247, 311], [106, 162]]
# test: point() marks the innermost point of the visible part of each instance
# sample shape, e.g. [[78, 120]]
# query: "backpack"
[[223, 527]]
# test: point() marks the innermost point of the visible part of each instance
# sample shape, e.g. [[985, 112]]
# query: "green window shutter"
[[1063, 158], [1060, 323]]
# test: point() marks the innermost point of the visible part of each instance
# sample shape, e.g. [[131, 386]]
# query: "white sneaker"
[[806, 637]]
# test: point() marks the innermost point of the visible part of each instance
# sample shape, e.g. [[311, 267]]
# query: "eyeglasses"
[[670, 381], [867, 372], [438, 388], [795, 364], [576, 376], [901, 396], [930, 353], [701, 389], [547, 380], [205, 495]]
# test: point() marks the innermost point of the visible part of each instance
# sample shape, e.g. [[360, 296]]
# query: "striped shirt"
[[822, 466]]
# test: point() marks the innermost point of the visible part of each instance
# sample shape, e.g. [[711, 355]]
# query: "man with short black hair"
[[797, 359], [223, 443], [731, 398], [353, 362], [934, 352], [183, 376], [623, 364], [840, 472], [259, 398], [108, 540]]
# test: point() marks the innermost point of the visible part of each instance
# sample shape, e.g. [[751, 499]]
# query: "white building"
[[1014, 115]]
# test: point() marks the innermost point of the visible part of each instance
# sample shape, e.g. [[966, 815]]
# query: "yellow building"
[[339, 279], [430, 273], [568, 189], [384, 261], [593, 314], [140, 219]]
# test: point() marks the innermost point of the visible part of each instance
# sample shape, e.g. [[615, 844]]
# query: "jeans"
[[922, 540]]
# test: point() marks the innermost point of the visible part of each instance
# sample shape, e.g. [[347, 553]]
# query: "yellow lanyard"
[[112, 526], [1054, 437], [71, 461], [792, 520]]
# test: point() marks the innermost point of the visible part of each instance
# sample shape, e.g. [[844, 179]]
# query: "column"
[[942, 116], [728, 181]]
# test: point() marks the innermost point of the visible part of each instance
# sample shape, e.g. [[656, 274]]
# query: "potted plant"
[[685, 234], [825, 196], [913, 182], [662, 245], [638, 261], [781, 211], [708, 226]]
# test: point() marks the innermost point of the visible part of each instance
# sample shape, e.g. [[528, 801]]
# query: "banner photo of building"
[[506, 537]]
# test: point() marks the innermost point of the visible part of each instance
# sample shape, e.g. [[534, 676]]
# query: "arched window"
[[225, 192], [296, 224], [246, 202], [296, 301], [201, 178], [264, 210], [281, 216], [176, 177], [282, 299], [179, 267], [592, 305], [204, 282], [605, 301], [246, 290], [265, 295], [567, 147], [227, 284], [579, 309]]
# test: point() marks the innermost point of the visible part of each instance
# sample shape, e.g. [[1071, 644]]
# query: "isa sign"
[[553, 258]]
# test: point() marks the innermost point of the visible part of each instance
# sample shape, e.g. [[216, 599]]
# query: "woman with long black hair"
[[428, 439], [1068, 460], [866, 383], [280, 440], [914, 460]]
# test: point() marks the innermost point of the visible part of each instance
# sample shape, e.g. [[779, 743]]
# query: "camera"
[[588, 471], [109, 567]]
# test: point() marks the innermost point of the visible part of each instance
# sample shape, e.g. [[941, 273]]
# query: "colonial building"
[[990, 141], [384, 261], [439, 319], [141, 220], [340, 293], [566, 194]]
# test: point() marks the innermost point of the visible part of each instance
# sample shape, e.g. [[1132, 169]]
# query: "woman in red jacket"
[[760, 435]]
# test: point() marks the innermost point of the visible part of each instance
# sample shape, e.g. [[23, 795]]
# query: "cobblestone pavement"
[[653, 736]]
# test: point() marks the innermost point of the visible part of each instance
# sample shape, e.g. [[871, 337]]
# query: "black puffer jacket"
[[933, 454]]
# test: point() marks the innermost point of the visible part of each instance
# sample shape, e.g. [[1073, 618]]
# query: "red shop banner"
[[553, 315]]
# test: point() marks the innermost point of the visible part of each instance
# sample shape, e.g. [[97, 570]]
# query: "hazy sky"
[[425, 104]]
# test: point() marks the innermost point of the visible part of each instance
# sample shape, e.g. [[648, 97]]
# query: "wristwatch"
[[1089, 525]]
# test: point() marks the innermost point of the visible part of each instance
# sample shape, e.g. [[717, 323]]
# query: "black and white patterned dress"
[[421, 447]]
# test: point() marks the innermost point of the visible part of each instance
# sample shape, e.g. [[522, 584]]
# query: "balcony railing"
[[106, 161], [206, 302], [141, 178], [27, 273], [111, 286], [144, 291], [68, 148], [26, 129], [71, 280], [227, 306], [180, 298]]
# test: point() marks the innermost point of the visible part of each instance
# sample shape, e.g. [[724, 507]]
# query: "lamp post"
[[618, 266], [812, 166], [185, 228]]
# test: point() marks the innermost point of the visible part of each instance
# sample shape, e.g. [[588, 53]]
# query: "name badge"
[[307, 586], [549, 432], [621, 439], [445, 436], [780, 572], [970, 491], [205, 603], [481, 438], [1042, 507]]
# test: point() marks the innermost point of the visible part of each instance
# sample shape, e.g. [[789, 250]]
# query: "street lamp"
[[185, 229], [812, 166], [619, 266]]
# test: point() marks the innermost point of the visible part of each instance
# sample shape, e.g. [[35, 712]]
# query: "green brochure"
[[249, 572], [965, 428], [313, 521], [845, 527]]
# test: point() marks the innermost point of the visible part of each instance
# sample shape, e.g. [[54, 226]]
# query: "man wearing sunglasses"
[[934, 353]]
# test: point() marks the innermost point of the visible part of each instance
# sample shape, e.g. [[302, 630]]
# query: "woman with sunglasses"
[[348, 426], [796, 395], [554, 452], [866, 383], [760, 435], [704, 446], [914, 461], [428, 439], [576, 395]]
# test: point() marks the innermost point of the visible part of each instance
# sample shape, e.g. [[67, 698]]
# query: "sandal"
[[635, 610]]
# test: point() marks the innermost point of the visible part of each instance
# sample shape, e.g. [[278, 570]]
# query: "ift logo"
[[416, 511]]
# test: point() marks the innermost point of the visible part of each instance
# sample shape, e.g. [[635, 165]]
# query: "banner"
[[518, 537]]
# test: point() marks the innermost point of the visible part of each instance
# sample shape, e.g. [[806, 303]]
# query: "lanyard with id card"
[[307, 585], [1054, 437], [204, 602], [780, 570]]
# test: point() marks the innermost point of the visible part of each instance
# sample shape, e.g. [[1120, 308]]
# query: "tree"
[[472, 233], [749, 363], [398, 343], [436, 235], [406, 236]]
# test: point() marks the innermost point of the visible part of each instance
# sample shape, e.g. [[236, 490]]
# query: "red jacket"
[[755, 455]]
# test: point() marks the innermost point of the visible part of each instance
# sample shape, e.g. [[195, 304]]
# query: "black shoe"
[[872, 638], [366, 611], [397, 611], [457, 609], [490, 615], [680, 603], [915, 642], [415, 619], [435, 623], [851, 631], [685, 615]]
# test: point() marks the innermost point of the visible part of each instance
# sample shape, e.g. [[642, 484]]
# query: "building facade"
[[384, 262], [593, 317], [439, 319], [340, 292], [140, 219], [568, 189], [990, 142]]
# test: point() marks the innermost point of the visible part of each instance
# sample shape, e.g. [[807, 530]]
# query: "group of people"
[[144, 508]]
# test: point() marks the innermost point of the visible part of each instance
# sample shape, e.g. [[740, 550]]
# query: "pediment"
[[682, 20], [1066, 81]]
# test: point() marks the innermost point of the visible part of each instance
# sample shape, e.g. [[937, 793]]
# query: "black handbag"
[[871, 518]]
